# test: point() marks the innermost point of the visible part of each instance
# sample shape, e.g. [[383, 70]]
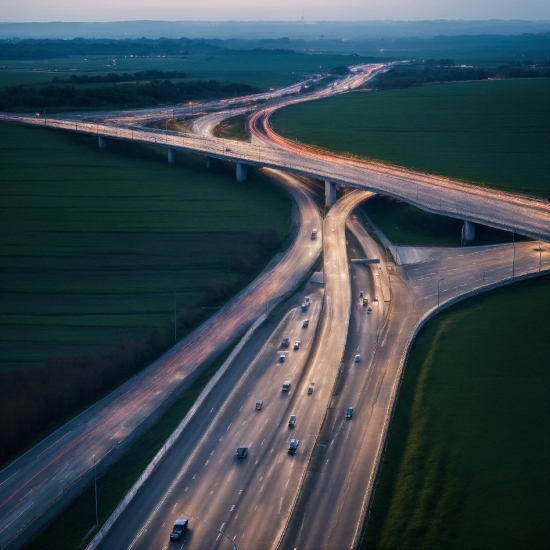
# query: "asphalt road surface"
[[339, 482], [36, 480]]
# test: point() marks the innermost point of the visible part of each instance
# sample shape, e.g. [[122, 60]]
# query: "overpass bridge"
[[470, 203]]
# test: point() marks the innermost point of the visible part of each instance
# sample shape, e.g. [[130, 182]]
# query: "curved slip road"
[[339, 483], [39, 478]]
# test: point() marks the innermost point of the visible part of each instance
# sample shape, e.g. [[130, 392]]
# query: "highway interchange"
[[317, 498]]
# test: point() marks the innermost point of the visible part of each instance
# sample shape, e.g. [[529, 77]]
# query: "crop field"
[[492, 133], [264, 69], [467, 460], [95, 242]]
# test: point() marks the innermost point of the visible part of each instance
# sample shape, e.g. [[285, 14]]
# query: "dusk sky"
[[282, 10]]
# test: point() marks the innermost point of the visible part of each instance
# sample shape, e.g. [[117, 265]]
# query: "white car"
[[376, 298]]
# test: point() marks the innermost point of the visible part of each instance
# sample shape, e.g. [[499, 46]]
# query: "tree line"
[[119, 77], [147, 94], [404, 77]]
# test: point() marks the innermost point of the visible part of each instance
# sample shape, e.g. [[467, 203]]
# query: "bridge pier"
[[171, 155], [101, 142], [241, 171], [207, 163], [469, 231], [330, 193]]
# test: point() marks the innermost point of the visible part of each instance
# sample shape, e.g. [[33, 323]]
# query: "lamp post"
[[514, 256], [95, 490], [175, 316], [438, 285]]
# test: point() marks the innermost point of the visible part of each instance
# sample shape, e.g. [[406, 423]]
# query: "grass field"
[[467, 459], [494, 133], [404, 224], [232, 128], [96, 241], [264, 69]]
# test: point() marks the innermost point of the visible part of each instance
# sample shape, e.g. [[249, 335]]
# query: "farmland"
[[492, 133]]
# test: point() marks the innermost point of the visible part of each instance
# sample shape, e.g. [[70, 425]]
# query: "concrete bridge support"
[[241, 171], [171, 155], [102, 142], [469, 231], [207, 163], [330, 193]]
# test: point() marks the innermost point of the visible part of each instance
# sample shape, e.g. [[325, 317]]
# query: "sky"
[[280, 10]]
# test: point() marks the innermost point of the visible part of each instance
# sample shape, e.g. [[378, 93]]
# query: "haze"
[[282, 10]]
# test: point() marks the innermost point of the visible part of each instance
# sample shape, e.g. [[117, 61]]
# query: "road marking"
[[232, 508]]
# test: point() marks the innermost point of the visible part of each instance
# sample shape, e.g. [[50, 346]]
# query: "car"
[[292, 421], [375, 298], [361, 294], [349, 412], [293, 447], [369, 309], [259, 404], [297, 344], [285, 343], [307, 300], [365, 301], [305, 324], [310, 390], [242, 452], [357, 358], [228, 149], [286, 385], [180, 526], [282, 358]]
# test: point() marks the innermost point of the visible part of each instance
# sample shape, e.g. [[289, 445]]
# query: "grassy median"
[[493, 133], [467, 459]]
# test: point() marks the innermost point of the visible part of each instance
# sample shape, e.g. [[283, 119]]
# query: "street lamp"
[[438, 285]]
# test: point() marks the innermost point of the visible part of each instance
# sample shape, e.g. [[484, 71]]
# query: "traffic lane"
[[235, 484], [333, 334], [329, 473], [457, 270], [32, 483], [224, 435]]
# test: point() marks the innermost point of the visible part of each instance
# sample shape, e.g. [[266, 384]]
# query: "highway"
[[313, 500], [252, 499], [339, 483], [31, 484]]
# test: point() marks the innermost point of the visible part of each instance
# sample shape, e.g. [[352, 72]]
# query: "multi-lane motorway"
[[31, 484], [316, 498]]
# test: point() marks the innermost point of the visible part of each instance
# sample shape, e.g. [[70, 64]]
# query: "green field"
[[264, 69], [406, 225], [467, 459], [494, 133], [96, 241]]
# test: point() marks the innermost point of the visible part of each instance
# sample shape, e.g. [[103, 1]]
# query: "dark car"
[[349, 412], [292, 421], [180, 526], [242, 452], [293, 447]]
